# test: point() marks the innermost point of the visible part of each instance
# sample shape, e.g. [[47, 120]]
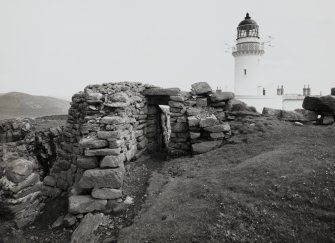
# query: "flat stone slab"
[[209, 121], [99, 178], [203, 147], [161, 91], [112, 161], [224, 96], [85, 204], [225, 127], [106, 193], [84, 233], [102, 152], [93, 143]]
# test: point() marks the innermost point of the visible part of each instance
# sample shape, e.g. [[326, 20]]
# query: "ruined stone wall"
[[22, 154]]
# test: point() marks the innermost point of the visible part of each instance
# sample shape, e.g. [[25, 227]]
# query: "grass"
[[276, 186]]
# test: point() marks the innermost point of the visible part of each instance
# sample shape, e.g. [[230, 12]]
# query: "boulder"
[[323, 104], [224, 96], [85, 204], [201, 88], [19, 170], [93, 143], [112, 161], [203, 147], [208, 121], [291, 116], [106, 193], [307, 115], [99, 178], [161, 91]]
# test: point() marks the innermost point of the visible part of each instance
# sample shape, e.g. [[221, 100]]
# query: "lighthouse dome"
[[247, 28], [247, 21]]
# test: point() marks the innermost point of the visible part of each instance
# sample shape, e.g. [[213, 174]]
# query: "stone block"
[[85, 204], [93, 143], [108, 134], [102, 152], [106, 193], [208, 121], [193, 121], [160, 91], [112, 120], [49, 181], [179, 127], [98, 178], [217, 135], [201, 102], [87, 162], [225, 127], [19, 170], [224, 96], [112, 161], [177, 98], [195, 135]]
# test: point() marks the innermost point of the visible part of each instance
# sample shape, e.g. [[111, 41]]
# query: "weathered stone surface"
[[179, 127], [219, 104], [160, 91], [49, 181], [94, 96], [120, 97], [84, 233], [193, 121], [69, 220], [201, 88], [85, 204], [102, 152], [177, 98], [176, 104], [208, 121], [112, 161], [307, 115], [112, 120], [108, 134], [87, 162], [106, 193], [291, 116], [203, 147], [216, 135], [225, 127], [332, 91], [93, 143], [327, 120], [320, 104], [99, 178], [19, 170], [224, 96], [131, 152], [236, 105], [202, 102], [195, 135]]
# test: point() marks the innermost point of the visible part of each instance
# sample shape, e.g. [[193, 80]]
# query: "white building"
[[249, 85]]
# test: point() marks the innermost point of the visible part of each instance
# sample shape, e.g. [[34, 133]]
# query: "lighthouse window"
[[245, 71]]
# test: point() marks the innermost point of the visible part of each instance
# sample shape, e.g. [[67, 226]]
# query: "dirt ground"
[[275, 182]]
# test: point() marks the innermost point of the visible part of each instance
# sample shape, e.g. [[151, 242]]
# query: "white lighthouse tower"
[[247, 54]]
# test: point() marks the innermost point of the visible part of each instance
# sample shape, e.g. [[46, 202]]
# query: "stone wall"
[[22, 156]]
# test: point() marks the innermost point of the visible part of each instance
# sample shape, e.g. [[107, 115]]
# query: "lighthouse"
[[248, 53]]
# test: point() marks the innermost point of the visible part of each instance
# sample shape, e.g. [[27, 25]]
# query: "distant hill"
[[16, 104]]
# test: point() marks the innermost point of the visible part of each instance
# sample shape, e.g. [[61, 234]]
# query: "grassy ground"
[[278, 185]]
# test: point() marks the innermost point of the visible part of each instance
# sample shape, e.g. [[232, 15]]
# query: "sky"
[[57, 47]]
